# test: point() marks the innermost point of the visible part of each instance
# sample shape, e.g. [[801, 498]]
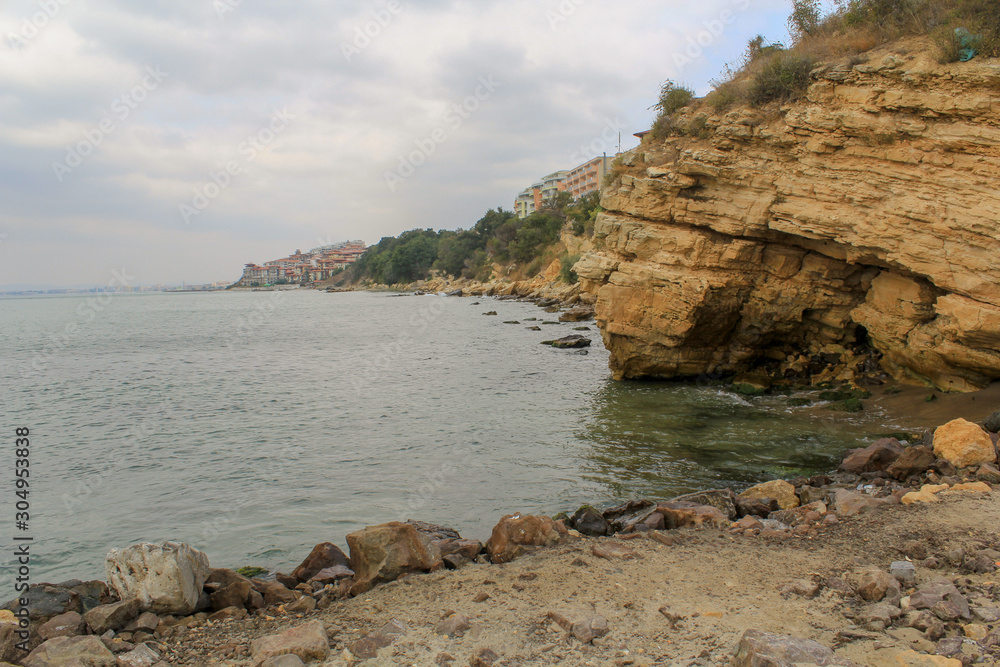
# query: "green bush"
[[784, 77], [566, 273]]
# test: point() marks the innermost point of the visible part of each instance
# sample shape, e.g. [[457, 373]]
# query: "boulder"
[[723, 500], [853, 503], [274, 593], [232, 613], [571, 341], [236, 594], [620, 518], [913, 461], [9, 638], [111, 616], [590, 522], [764, 649], [910, 658], [583, 627], [321, 557], [385, 552], [877, 456], [515, 532], [933, 593], [166, 578], [681, 514], [992, 423], [307, 642], [69, 624], [48, 600], [876, 585], [988, 473], [760, 507], [467, 548], [778, 489], [962, 443], [926, 494], [86, 651], [578, 314]]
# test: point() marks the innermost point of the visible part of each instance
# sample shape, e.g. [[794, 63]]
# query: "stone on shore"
[[321, 557], [875, 457], [331, 575], [368, 647], [166, 578], [852, 503], [385, 552], [515, 533], [681, 514], [46, 601], [876, 585], [778, 489], [111, 616], [86, 651], [910, 658], [764, 649], [453, 626], [274, 593], [992, 423], [723, 500], [590, 522], [283, 661], [913, 461], [988, 473], [141, 656], [307, 642], [963, 443], [69, 624], [236, 594], [578, 314], [926, 494]]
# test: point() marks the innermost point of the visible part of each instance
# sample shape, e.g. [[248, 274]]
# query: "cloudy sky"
[[180, 139]]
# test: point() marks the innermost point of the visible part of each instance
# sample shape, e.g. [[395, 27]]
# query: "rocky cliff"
[[869, 211]]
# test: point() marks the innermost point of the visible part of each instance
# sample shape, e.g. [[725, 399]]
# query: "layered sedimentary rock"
[[870, 210]]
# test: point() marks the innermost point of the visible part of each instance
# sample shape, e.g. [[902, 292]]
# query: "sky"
[[174, 140]]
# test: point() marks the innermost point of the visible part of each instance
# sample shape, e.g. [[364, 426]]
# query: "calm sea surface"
[[254, 425]]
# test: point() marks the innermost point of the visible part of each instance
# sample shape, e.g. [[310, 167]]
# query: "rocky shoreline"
[[161, 599]]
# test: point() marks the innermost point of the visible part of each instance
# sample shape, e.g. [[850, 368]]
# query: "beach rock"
[[853, 503], [303, 605], [749, 523], [760, 507], [578, 314], [910, 658], [166, 578], [466, 548], [146, 622], [453, 626], [988, 473], [231, 614], [913, 461], [274, 593], [236, 594], [879, 616], [934, 592], [387, 551], [963, 443], [876, 585], [620, 518], [801, 587], [877, 456], [224, 577], [584, 627], [764, 649], [926, 494], [111, 616], [69, 624], [331, 575], [367, 647], [568, 342], [515, 532], [778, 489], [723, 500], [903, 571], [85, 651], [681, 514], [308, 642], [141, 656], [992, 423], [590, 522], [321, 557], [46, 601]]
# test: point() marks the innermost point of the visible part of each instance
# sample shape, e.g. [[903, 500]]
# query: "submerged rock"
[[567, 342]]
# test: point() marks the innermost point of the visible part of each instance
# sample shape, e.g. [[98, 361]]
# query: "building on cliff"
[[303, 267], [578, 181]]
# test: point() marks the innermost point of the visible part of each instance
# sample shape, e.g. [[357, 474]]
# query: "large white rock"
[[167, 578]]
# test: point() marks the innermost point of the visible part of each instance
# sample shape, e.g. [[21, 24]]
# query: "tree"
[[804, 19]]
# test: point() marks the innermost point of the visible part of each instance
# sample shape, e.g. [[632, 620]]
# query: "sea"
[[254, 425]]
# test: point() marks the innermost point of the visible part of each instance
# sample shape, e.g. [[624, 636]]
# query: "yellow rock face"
[[875, 201], [778, 489], [962, 443]]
